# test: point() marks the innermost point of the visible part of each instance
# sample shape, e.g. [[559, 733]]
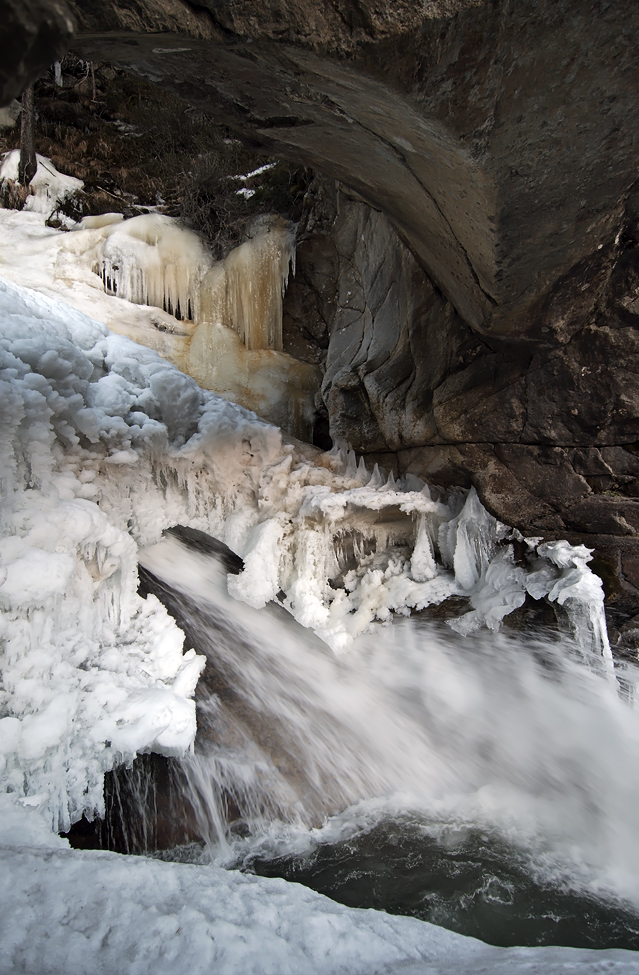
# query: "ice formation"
[[107, 265], [91, 674], [47, 188], [104, 445], [246, 290], [151, 260]]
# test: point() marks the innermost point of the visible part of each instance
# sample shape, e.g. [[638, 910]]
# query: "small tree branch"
[[28, 162]]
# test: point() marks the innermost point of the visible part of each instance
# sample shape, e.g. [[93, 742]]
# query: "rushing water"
[[489, 784]]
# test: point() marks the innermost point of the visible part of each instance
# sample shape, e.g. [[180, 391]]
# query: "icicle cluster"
[[245, 291], [150, 260]]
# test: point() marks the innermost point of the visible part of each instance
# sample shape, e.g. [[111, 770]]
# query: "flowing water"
[[489, 783]]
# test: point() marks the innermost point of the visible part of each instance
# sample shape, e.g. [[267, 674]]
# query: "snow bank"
[[47, 189], [146, 916]]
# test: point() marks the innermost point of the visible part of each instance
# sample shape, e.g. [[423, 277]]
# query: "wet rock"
[[146, 809]]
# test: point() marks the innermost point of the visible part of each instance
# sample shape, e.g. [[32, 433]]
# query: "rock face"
[[547, 432], [33, 33], [476, 289], [497, 137]]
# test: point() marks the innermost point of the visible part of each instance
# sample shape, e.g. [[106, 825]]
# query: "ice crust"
[[112, 914], [104, 445]]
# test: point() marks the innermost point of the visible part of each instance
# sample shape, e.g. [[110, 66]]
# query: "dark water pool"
[[469, 881]]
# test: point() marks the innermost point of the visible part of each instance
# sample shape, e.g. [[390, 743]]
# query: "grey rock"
[[33, 34]]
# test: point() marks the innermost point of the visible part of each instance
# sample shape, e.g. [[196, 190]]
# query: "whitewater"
[[105, 446]]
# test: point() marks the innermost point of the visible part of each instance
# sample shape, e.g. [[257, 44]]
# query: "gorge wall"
[[469, 265]]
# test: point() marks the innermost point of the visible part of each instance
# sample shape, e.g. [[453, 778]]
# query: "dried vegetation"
[[136, 147]]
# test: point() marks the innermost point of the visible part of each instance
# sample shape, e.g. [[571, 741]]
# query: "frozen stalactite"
[[245, 291], [580, 592], [150, 260]]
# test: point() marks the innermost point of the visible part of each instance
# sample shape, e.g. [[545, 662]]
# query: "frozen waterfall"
[[315, 698], [151, 260]]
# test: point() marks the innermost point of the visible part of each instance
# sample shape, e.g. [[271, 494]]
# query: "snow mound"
[[48, 188]]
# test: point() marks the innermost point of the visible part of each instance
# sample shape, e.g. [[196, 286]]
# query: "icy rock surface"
[[104, 445]]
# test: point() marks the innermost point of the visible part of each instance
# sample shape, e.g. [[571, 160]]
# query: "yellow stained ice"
[[154, 281]]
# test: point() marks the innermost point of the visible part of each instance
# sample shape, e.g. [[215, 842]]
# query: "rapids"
[[502, 769]]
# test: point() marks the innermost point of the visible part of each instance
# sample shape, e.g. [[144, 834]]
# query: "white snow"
[[256, 172], [47, 188]]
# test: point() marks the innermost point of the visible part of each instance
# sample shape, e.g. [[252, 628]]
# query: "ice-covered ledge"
[[152, 280]]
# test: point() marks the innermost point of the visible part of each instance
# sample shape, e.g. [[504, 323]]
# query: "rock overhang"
[[498, 141]]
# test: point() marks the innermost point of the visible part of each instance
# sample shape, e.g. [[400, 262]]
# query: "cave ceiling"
[[499, 138]]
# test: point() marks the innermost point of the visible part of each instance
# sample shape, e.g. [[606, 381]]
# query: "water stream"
[[488, 783]]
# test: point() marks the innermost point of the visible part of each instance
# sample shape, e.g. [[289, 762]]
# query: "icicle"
[[422, 565], [362, 472], [581, 594], [245, 291], [376, 480], [150, 260], [350, 467]]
